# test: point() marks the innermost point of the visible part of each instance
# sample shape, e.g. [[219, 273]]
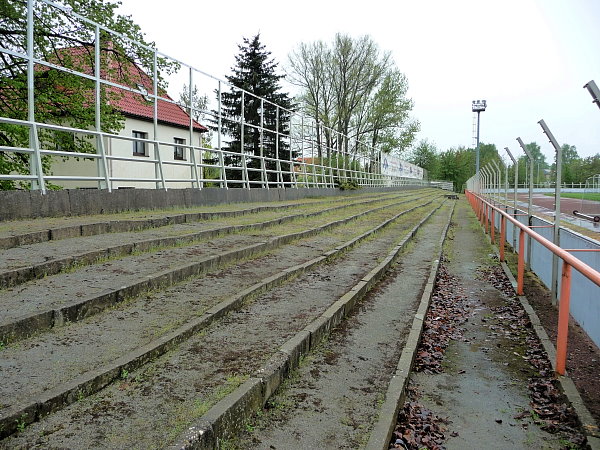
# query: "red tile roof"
[[130, 103], [135, 105]]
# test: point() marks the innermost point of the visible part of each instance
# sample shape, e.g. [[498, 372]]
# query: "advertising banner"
[[395, 167]]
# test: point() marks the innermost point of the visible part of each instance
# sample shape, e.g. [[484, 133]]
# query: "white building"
[[131, 161]]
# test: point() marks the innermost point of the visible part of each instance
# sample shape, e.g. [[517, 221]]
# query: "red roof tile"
[[133, 104]]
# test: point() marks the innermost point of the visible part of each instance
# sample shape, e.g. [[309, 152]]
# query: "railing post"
[[487, 222], [245, 175], [493, 226], [101, 163], [194, 168], [502, 236], [481, 208], [521, 264], [223, 174], [563, 319], [35, 159], [159, 172]]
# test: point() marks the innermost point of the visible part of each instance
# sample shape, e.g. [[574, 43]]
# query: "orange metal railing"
[[485, 213]]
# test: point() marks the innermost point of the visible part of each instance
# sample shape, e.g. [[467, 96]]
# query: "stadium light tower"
[[594, 92], [478, 106]]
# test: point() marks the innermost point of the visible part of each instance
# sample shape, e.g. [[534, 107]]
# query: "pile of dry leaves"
[[418, 427], [448, 310]]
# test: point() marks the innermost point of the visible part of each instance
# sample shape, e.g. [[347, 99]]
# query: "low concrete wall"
[[75, 202]]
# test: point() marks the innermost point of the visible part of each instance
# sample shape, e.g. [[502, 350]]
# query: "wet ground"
[[477, 393]]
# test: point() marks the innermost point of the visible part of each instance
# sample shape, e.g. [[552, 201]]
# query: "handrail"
[[582, 267], [480, 206]]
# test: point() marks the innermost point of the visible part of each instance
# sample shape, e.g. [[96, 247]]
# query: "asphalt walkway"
[[483, 387]]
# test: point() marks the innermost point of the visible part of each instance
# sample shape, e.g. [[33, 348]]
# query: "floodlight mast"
[[594, 92], [478, 106]]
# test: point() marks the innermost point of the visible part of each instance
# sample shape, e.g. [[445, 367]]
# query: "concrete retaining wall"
[[74, 202]]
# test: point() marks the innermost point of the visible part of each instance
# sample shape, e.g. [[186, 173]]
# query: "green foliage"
[[425, 155], [210, 173], [348, 185], [62, 97], [254, 72], [456, 164], [351, 88], [593, 196]]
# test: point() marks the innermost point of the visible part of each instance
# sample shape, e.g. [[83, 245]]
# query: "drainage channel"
[[334, 398], [42, 304], [69, 383], [24, 263]]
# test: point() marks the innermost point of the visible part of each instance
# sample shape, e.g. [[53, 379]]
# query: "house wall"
[[140, 167]]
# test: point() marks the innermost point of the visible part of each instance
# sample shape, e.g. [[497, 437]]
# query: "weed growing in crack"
[[21, 424]]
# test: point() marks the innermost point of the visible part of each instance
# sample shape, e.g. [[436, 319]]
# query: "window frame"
[[137, 145], [178, 149]]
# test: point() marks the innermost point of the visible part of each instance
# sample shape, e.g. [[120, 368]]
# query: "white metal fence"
[[304, 154]]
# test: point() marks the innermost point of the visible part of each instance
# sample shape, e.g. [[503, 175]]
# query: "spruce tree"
[[254, 72]]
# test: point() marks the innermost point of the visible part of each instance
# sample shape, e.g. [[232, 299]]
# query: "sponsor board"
[[396, 167]]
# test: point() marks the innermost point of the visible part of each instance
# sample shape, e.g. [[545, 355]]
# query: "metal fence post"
[[554, 288], [35, 160], [563, 319], [521, 263], [223, 173], [280, 183], [194, 171], [101, 163], [158, 166], [245, 174], [502, 236], [530, 197], [516, 167]]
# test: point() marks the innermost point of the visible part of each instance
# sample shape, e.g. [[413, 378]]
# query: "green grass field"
[[586, 196]]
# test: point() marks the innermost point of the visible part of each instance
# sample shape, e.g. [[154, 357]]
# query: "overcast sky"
[[528, 58]]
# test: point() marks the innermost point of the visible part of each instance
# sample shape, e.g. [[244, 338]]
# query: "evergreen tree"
[[254, 72]]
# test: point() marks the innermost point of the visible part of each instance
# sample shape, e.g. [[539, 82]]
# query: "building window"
[[179, 152], [139, 147]]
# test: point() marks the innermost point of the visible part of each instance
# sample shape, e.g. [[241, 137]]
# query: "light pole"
[[478, 106]]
